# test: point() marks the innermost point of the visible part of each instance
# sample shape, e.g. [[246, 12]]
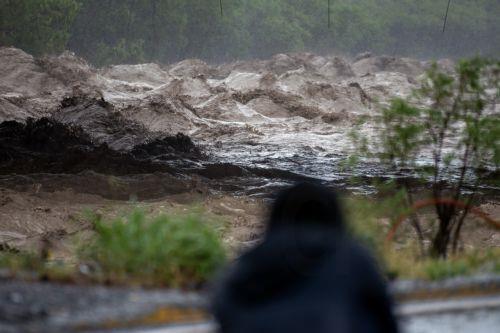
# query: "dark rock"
[[168, 147], [222, 170], [48, 146]]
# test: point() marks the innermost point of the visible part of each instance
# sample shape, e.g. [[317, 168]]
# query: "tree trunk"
[[441, 241]]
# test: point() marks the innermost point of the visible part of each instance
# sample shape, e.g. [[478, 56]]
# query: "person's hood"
[[309, 205], [304, 228], [283, 262]]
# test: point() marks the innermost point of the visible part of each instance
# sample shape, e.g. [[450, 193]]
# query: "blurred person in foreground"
[[307, 275]]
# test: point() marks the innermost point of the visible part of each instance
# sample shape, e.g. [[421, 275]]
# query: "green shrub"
[[441, 269], [165, 250], [37, 26], [17, 261], [124, 52], [452, 119], [369, 220]]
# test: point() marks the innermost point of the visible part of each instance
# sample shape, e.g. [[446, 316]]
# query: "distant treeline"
[[131, 31]]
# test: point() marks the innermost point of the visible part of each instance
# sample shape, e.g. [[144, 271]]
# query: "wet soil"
[[34, 215]]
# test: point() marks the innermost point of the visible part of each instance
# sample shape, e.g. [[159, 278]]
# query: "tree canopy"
[[131, 31], [37, 26]]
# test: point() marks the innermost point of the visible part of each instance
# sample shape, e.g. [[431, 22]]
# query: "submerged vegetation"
[[117, 31]]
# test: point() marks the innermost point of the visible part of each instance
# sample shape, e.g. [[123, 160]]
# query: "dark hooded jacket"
[[305, 276]]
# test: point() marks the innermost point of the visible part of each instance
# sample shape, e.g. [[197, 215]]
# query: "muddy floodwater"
[[74, 137], [292, 113]]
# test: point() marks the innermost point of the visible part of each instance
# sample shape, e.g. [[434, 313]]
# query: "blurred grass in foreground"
[[176, 250], [185, 249], [370, 220]]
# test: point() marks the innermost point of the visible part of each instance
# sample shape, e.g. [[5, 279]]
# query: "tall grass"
[[370, 220], [176, 251]]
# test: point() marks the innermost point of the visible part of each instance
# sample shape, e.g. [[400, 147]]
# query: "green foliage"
[[123, 52], [17, 261], [476, 262], [440, 269], [131, 31], [165, 250], [21, 264], [458, 111], [175, 251], [37, 26], [401, 136], [364, 216], [453, 119]]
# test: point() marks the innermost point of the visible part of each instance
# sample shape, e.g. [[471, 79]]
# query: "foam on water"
[[292, 112]]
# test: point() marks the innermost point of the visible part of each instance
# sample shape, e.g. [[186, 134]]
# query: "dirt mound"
[[136, 186], [43, 135]]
